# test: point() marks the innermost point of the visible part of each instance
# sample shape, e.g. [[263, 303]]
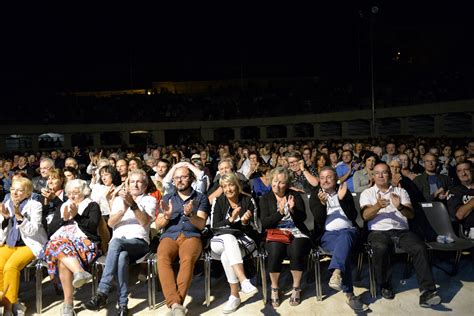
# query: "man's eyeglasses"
[[292, 163], [180, 178]]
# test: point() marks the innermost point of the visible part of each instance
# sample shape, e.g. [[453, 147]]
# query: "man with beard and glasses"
[[182, 216]]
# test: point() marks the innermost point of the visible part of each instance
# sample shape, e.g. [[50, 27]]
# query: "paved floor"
[[457, 297]]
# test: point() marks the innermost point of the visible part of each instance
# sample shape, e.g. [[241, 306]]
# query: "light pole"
[[373, 11]]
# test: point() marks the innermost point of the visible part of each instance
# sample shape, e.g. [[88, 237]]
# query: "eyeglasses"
[[292, 163], [378, 173], [181, 178]]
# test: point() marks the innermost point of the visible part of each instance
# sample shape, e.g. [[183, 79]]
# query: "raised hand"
[[341, 192], [301, 164]]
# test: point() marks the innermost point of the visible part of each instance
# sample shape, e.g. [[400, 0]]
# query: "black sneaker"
[[429, 298], [96, 302], [123, 310], [357, 304], [387, 293]]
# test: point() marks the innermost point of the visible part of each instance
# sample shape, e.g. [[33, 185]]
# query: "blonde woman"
[[22, 238]]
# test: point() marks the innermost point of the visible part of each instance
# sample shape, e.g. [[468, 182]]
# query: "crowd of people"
[[250, 99], [70, 207]]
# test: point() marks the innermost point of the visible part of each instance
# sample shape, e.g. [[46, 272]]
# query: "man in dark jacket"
[[432, 185], [334, 221]]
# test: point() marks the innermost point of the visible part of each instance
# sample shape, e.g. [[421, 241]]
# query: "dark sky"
[[91, 48]]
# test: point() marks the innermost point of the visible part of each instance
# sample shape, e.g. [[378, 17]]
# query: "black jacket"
[[320, 213], [88, 222], [270, 217]]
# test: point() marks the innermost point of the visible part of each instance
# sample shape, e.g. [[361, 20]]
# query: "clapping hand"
[[291, 202], [396, 201], [166, 209], [323, 197], [341, 192], [235, 214], [4, 212], [382, 203], [246, 217], [188, 208]]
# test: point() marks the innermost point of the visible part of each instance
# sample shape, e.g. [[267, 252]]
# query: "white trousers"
[[226, 248]]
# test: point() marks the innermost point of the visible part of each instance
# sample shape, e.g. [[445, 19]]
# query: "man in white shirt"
[[334, 218], [132, 212], [387, 210]]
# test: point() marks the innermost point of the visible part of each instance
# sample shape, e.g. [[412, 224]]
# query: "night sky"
[[54, 48]]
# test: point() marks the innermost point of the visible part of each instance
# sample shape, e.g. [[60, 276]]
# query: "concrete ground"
[[457, 296]]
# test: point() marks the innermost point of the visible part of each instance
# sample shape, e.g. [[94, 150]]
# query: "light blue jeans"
[[121, 253]]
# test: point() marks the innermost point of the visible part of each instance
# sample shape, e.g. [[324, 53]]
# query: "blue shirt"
[[179, 223], [341, 170]]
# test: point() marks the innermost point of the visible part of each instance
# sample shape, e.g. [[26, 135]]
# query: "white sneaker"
[[67, 310], [247, 288], [231, 305], [19, 309], [81, 278]]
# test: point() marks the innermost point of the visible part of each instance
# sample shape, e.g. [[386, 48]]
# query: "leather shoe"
[[388, 294], [122, 311]]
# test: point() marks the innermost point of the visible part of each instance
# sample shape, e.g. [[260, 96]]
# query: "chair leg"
[[360, 261], [456, 262], [207, 278], [39, 287], [149, 282], [95, 276], [406, 272], [263, 275], [154, 278], [317, 275], [372, 283]]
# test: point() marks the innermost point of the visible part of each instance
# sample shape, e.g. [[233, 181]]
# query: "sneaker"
[[19, 309], [96, 302], [231, 305], [81, 278], [67, 310], [429, 298], [335, 282], [356, 304], [178, 310], [247, 288]]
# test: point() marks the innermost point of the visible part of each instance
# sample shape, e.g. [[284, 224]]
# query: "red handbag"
[[279, 235]]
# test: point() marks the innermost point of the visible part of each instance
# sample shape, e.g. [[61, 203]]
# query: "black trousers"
[[382, 243], [297, 252]]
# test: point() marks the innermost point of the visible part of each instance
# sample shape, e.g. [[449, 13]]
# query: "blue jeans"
[[340, 244], [121, 252]]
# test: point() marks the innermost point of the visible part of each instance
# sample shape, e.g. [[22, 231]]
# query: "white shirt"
[[388, 217], [98, 195], [129, 227], [336, 218]]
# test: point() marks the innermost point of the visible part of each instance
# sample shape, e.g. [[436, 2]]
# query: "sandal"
[[275, 301], [294, 300]]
